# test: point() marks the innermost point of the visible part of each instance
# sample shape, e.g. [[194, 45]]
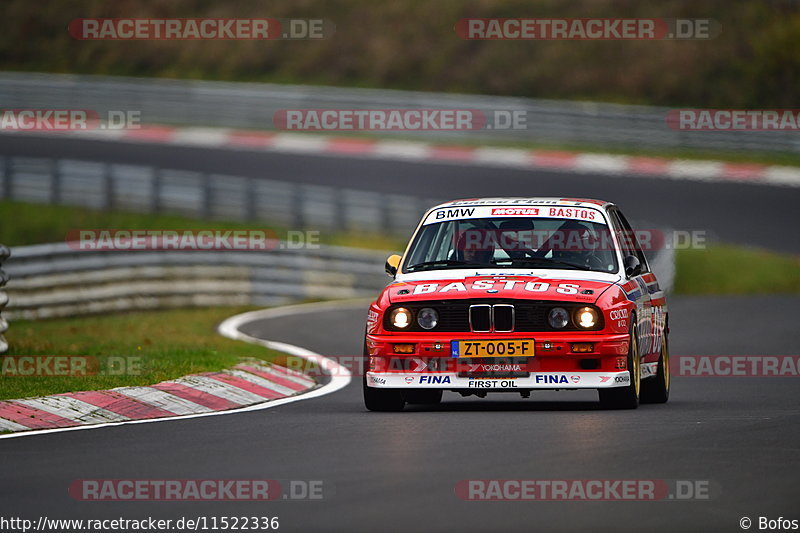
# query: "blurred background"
[[203, 151], [412, 45]]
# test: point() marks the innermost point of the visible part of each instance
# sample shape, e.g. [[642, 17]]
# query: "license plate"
[[492, 348]]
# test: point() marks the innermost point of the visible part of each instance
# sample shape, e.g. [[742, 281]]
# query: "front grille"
[[503, 317], [509, 315], [480, 317]]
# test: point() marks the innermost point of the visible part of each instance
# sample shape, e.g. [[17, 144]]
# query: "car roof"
[[518, 200]]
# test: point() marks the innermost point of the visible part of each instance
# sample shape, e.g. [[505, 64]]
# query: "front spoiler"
[[538, 380]]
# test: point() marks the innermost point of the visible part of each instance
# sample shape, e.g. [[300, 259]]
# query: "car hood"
[[557, 285]]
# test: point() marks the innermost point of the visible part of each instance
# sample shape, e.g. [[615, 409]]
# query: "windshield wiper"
[[440, 262], [538, 261]]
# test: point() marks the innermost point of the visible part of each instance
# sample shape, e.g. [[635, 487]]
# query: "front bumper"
[[554, 366], [538, 380]]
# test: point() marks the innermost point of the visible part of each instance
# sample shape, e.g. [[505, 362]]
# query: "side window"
[[632, 240], [619, 230]]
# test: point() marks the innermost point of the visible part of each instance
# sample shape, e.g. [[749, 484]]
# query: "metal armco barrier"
[[253, 105], [209, 196], [52, 280]]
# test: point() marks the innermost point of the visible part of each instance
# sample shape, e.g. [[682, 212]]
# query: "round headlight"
[[427, 318], [586, 317], [400, 318], [558, 317]]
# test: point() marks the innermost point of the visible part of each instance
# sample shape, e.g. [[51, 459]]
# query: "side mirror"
[[632, 266], [392, 264]]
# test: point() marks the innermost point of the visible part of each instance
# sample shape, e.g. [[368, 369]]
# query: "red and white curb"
[[565, 161], [250, 385]]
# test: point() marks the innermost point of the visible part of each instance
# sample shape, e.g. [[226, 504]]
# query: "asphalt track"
[[741, 213], [397, 472]]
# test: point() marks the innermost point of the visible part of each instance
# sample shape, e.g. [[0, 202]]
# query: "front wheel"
[[382, 399], [656, 390], [626, 397]]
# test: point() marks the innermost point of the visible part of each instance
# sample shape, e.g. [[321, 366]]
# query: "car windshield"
[[513, 242]]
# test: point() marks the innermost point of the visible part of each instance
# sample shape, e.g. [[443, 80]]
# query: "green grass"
[[724, 269], [155, 346], [24, 223]]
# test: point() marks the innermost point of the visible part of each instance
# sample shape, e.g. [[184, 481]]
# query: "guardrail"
[[4, 253], [252, 105], [52, 280], [209, 196]]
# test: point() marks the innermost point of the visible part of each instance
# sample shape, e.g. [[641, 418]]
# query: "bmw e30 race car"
[[516, 295]]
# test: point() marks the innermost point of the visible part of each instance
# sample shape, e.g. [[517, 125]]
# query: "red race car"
[[514, 295]]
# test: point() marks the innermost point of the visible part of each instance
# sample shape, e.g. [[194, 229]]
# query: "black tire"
[[423, 396], [656, 390], [382, 400], [626, 397]]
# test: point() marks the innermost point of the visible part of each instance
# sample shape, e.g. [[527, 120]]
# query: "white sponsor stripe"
[[286, 142], [8, 425], [261, 382], [538, 380], [163, 400], [221, 389], [294, 377], [402, 150], [503, 157], [201, 136], [73, 409], [614, 164]]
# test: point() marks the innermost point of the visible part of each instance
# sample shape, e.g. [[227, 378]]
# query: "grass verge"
[[23, 223], [723, 269], [151, 346]]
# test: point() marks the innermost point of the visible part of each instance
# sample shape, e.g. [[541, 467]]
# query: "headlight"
[[586, 317], [558, 317], [400, 318], [427, 318]]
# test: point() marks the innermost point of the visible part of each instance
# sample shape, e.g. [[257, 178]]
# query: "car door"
[[639, 288]]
